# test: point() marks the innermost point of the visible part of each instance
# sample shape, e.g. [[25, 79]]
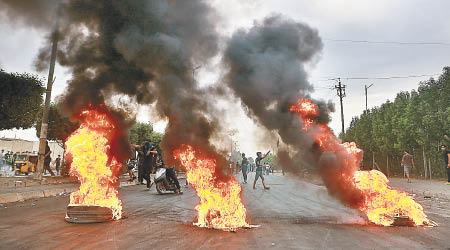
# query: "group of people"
[[408, 163], [148, 160], [11, 157], [259, 168]]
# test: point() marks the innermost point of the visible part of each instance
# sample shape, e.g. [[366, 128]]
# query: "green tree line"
[[416, 121]]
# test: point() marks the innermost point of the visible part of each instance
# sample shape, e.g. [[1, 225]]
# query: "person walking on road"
[[244, 166], [48, 159], [446, 155], [58, 164], [259, 169], [408, 163]]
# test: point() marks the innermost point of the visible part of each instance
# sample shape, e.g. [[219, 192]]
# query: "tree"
[[20, 99], [59, 127], [415, 121], [236, 157], [141, 131], [269, 160], [156, 140]]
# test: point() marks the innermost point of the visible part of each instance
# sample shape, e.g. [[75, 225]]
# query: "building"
[[19, 145]]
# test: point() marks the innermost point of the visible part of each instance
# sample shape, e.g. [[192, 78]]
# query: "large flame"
[[92, 164], [374, 197], [220, 204]]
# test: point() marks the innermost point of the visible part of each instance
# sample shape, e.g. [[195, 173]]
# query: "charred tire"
[[160, 188]]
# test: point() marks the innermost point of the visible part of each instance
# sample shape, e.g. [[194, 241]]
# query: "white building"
[[19, 145]]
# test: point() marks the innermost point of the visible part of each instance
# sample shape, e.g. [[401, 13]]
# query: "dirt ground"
[[293, 214]]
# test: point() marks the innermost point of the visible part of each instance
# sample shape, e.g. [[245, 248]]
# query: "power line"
[[387, 42], [377, 78]]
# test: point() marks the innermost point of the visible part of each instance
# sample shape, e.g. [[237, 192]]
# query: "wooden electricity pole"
[[341, 93], [48, 95]]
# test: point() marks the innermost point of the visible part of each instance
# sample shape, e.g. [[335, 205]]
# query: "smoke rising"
[[35, 13], [148, 49], [266, 69], [144, 49]]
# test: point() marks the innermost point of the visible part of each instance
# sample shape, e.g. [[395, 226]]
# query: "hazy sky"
[[383, 20]]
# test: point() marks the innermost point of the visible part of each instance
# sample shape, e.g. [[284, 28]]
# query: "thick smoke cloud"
[[266, 71], [145, 49], [35, 13]]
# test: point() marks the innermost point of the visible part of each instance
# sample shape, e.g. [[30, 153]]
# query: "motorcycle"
[[163, 183]]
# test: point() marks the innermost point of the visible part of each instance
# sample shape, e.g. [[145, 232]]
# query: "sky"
[[410, 21]]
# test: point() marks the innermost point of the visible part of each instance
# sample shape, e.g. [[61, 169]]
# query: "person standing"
[[259, 169], [130, 166], [408, 163], [148, 152], [140, 162], [446, 155], [12, 159], [244, 166], [58, 164], [48, 159]]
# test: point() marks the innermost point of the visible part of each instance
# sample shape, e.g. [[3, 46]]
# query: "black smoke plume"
[[146, 49], [266, 70], [265, 66], [35, 13]]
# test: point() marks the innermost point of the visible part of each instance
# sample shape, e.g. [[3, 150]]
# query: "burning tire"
[[88, 214]]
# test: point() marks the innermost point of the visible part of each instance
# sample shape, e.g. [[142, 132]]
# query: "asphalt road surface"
[[293, 214]]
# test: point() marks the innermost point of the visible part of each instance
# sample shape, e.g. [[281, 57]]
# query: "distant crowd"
[[26, 162]]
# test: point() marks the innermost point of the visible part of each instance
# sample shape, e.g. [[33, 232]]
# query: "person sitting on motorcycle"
[[170, 173]]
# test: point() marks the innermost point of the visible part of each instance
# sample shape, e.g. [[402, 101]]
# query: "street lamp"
[[366, 88]]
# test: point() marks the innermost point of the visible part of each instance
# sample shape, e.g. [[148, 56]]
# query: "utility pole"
[[231, 134], [341, 93], [48, 95], [195, 69], [367, 87]]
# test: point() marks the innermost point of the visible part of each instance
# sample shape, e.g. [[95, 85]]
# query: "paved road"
[[293, 215]]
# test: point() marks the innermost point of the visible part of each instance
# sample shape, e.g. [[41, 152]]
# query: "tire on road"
[[160, 188]]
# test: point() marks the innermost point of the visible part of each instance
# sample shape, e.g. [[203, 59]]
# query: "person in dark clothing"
[[244, 166], [48, 159], [148, 152], [58, 164], [140, 163], [259, 169], [446, 155]]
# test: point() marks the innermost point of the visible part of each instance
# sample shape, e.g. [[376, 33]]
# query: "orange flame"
[[380, 202], [383, 202], [220, 204], [91, 164]]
